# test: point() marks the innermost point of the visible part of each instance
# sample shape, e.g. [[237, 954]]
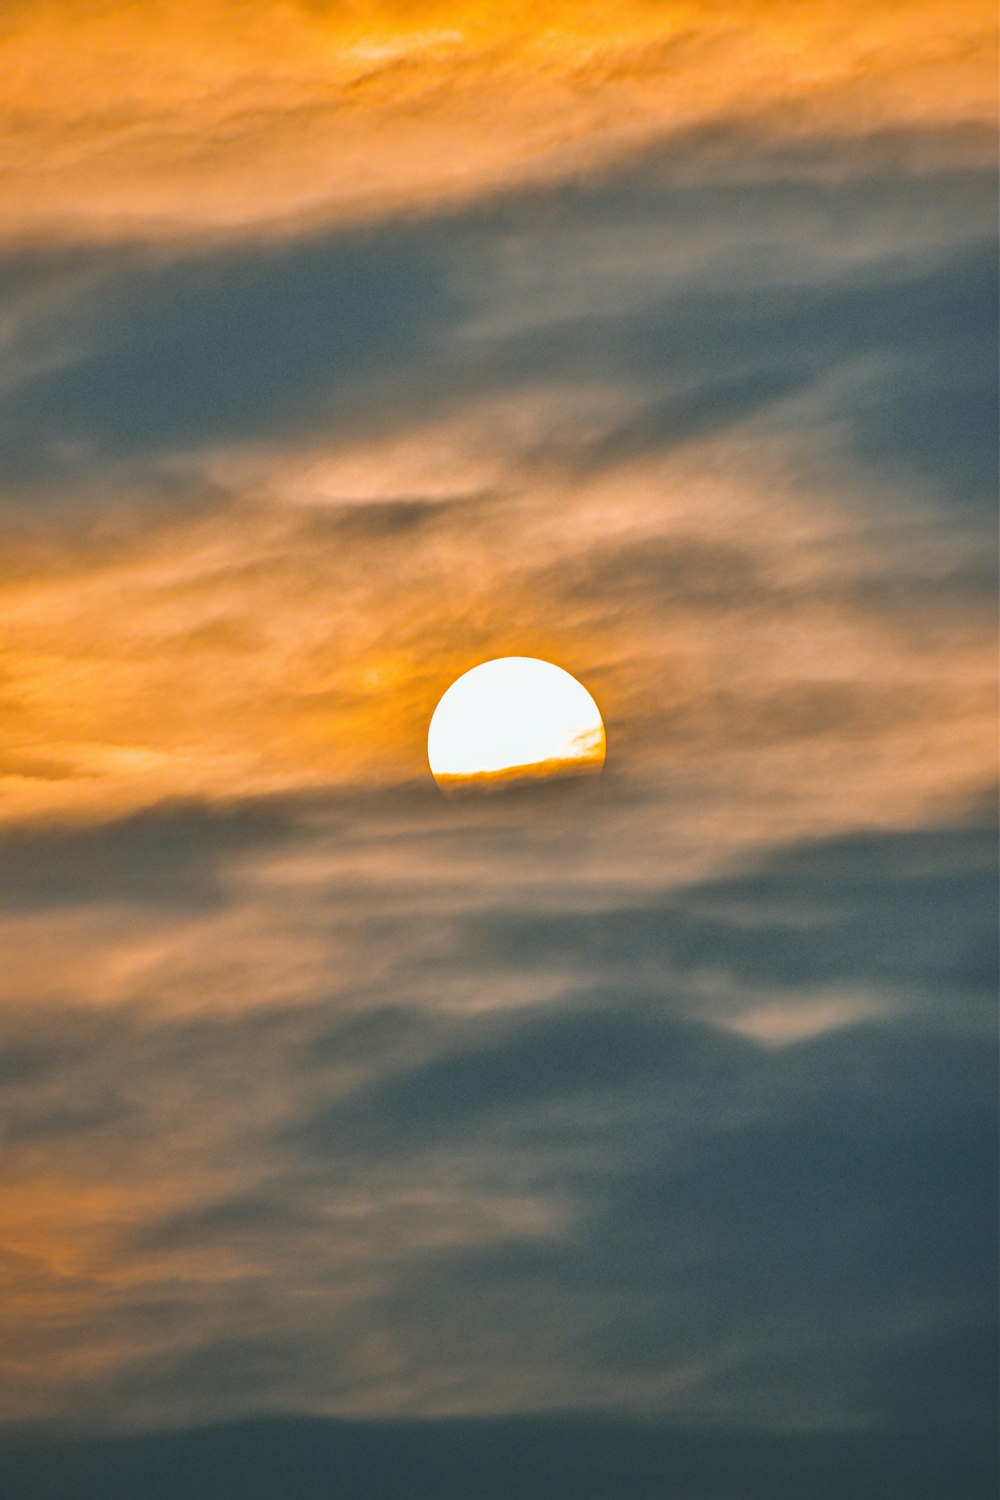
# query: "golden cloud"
[[302, 638], [166, 119]]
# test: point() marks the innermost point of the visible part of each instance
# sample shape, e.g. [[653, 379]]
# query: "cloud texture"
[[646, 1126]]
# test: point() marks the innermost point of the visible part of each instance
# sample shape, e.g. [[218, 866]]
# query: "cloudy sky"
[[623, 1140]]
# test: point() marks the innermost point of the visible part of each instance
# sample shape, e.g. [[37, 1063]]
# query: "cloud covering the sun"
[[285, 474], [347, 347]]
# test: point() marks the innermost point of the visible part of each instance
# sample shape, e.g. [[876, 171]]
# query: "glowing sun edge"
[[514, 718]]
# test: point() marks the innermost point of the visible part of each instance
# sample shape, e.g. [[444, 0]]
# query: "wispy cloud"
[[166, 121], [727, 459], [345, 349], [538, 1122]]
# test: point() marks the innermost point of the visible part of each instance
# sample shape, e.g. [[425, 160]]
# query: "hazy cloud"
[[600, 1141], [616, 1189]]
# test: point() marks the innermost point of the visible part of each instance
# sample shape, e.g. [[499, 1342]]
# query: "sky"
[[632, 1138]]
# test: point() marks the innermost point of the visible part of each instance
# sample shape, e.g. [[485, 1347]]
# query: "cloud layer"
[[164, 121], [722, 1149], [646, 1126]]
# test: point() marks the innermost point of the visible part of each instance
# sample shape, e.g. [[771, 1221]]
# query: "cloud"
[[532, 1062], [543, 1125], [333, 470], [255, 341], [896, 913], [565, 1457], [161, 855], [344, 353], [349, 331], [169, 123]]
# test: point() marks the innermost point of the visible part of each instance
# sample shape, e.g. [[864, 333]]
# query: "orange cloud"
[[745, 528], [301, 642], [166, 119]]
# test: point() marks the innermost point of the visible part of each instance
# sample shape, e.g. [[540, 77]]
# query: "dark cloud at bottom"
[[556, 1457], [608, 1199]]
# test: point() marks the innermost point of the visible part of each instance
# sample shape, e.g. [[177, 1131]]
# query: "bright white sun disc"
[[516, 715]]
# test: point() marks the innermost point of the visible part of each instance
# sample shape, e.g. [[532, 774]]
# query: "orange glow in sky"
[[395, 392]]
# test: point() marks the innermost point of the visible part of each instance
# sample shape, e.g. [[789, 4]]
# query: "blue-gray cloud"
[[174, 853], [872, 292], [799, 1234], [557, 1457], [911, 910]]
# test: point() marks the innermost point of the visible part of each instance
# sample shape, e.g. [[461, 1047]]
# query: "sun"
[[514, 718]]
